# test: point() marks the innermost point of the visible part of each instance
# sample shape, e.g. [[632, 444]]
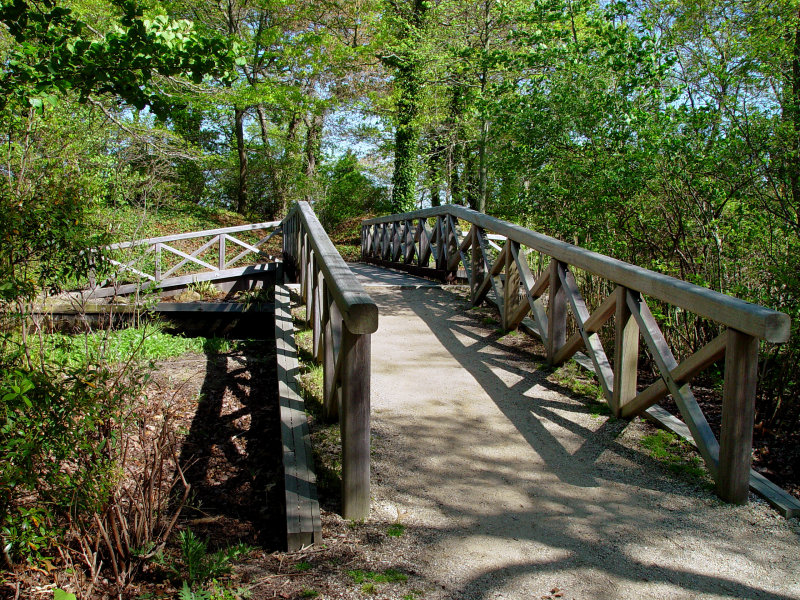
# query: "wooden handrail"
[[359, 311], [409, 241], [758, 321], [342, 317]]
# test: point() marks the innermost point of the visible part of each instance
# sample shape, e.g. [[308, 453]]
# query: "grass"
[[396, 530], [388, 576], [675, 453], [572, 377]]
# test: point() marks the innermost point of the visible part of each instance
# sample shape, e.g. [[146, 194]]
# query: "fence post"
[[556, 312], [626, 353], [221, 251], [158, 262], [354, 421], [738, 407]]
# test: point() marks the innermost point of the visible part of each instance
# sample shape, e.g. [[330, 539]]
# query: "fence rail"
[[342, 317], [150, 260], [496, 265]]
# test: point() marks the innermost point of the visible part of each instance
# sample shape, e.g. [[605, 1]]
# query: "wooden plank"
[[626, 354], [752, 319], [303, 524], [738, 409], [682, 394], [683, 373], [128, 267]]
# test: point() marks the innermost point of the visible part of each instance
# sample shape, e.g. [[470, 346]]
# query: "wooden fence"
[[148, 258], [496, 264], [342, 317]]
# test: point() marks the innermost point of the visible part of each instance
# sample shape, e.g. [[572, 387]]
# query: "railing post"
[[221, 251], [738, 406], [354, 421], [157, 273], [556, 312], [332, 342], [476, 262], [626, 353]]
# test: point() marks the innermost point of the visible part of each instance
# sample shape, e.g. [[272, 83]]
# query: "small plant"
[[199, 564], [369, 588], [303, 566], [396, 530], [489, 321], [309, 593], [206, 289]]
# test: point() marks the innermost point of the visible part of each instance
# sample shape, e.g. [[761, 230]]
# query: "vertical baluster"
[[738, 406], [158, 262], [556, 312], [626, 353], [355, 424], [221, 251]]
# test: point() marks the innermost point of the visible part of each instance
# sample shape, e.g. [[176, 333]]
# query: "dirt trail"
[[512, 488]]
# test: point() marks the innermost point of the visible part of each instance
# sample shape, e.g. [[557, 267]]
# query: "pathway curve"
[[514, 489]]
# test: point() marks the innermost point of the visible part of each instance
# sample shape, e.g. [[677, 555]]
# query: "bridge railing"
[[162, 262], [342, 317], [496, 265]]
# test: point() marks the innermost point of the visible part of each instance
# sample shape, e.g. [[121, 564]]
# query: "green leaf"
[[59, 594]]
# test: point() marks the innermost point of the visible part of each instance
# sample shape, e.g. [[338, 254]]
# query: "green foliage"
[[198, 564], [57, 53], [350, 194], [309, 593], [117, 346]]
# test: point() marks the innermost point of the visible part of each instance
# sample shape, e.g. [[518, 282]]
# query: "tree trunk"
[[241, 189], [313, 135]]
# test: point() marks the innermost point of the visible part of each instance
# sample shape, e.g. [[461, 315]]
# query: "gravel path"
[[509, 486]]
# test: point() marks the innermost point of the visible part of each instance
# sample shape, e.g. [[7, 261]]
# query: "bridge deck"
[[513, 488]]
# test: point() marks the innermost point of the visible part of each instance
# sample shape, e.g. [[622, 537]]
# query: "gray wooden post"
[[221, 251], [738, 406], [355, 423], [556, 313]]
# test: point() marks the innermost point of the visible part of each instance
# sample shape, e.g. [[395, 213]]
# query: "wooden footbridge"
[[534, 281]]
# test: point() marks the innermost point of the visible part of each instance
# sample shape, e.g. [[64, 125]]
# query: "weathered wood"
[[221, 252], [738, 408], [355, 419], [303, 524], [749, 318], [626, 353], [556, 313], [683, 373]]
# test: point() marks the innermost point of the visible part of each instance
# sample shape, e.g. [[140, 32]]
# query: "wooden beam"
[[194, 234], [556, 313]]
